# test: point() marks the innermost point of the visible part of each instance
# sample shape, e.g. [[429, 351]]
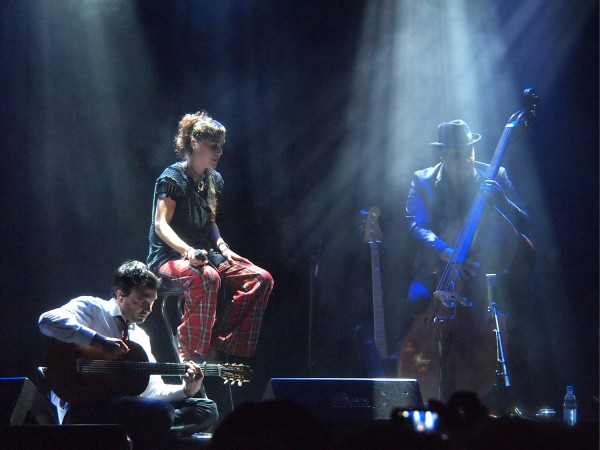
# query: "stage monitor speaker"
[[347, 398], [21, 403]]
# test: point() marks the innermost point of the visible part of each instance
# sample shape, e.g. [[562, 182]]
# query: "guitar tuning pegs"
[[239, 382]]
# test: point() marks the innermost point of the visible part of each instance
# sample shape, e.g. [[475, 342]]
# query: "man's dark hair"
[[131, 274]]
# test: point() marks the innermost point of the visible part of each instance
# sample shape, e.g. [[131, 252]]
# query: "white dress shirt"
[[78, 322]]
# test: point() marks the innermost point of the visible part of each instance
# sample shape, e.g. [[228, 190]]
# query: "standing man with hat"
[[438, 205], [440, 198]]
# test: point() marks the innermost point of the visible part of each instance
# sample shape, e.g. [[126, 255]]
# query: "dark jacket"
[[433, 205]]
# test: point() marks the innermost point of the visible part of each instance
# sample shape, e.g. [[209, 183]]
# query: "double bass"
[[452, 345]]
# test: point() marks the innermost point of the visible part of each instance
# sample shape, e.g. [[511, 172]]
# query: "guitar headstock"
[[235, 373], [372, 230]]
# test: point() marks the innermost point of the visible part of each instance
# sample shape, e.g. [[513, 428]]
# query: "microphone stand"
[[314, 274], [502, 377]]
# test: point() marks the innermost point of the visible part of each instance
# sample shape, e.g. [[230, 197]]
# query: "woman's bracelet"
[[187, 252], [222, 243]]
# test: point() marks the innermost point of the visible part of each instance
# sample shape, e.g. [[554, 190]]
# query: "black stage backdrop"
[[90, 102]]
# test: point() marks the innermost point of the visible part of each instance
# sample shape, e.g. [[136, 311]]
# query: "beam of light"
[[424, 62], [91, 72]]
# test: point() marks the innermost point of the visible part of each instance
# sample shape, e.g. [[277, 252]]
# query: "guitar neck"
[[378, 317], [141, 367]]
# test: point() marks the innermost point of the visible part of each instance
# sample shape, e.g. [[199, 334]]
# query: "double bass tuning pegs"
[[531, 104]]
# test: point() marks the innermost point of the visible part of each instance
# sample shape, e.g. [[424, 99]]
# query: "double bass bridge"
[[450, 299]]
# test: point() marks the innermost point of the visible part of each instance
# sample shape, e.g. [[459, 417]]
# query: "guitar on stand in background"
[[375, 355]]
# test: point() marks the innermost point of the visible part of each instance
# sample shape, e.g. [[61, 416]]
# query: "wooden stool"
[[172, 299]]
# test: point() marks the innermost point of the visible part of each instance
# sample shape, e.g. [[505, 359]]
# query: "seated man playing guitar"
[[85, 326]]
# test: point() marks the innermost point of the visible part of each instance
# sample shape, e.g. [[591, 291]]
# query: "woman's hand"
[[196, 257], [232, 256]]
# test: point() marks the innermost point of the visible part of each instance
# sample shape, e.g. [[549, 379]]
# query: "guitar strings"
[[166, 369]]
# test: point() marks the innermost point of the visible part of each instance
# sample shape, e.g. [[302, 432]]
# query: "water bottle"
[[570, 407]]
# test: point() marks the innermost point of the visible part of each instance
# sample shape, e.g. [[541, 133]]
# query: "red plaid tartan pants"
[[236, 332]]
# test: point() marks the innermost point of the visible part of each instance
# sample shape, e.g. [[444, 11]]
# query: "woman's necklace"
[[200, 184]]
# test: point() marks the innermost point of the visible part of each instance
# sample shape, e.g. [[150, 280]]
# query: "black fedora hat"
[[455, 134]]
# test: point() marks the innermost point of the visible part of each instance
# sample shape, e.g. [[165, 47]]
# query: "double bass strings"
[[468, 231]]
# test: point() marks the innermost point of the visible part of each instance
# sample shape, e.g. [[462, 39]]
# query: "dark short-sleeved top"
[[191, 218]]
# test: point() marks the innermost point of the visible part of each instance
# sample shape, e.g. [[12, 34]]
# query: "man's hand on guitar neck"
[[193, 379], [111, 346]]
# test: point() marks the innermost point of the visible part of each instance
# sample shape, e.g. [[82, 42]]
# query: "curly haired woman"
[[186, 247]]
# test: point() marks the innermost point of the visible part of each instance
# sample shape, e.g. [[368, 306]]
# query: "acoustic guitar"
[[84, 373]]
